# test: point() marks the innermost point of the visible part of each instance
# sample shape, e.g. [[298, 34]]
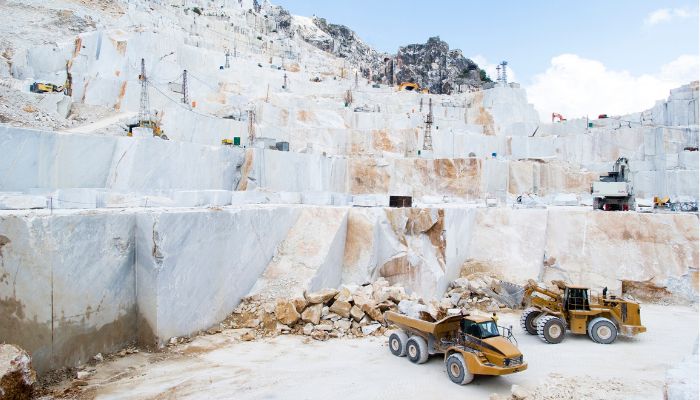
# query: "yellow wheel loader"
[[551, 314], [409, 87], [471, 345], [39, 87]]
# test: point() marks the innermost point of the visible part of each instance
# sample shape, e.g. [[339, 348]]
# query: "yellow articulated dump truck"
[[472, 345]]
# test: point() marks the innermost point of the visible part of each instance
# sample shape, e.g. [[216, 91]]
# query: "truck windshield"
[[482, 330], [488, 329]]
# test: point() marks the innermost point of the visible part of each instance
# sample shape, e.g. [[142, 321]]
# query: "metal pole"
[[144, 109], [185, 92]]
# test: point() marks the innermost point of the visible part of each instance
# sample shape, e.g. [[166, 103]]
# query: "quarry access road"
[[294, 367], [100, 124]]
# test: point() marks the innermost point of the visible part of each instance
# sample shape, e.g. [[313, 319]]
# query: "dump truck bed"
[[435, 328]]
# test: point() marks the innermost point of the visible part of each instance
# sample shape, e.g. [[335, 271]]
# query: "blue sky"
[[635, 38]]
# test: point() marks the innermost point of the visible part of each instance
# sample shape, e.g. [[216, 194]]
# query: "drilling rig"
[[614, 192]]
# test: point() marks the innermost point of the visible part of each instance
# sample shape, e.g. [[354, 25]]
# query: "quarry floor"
[[222, 366]]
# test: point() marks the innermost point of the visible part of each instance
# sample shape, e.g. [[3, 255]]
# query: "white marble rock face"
[[70, 272], [148, 238]]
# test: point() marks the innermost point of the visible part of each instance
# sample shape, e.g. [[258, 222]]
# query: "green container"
[[236, 140], [590, 124]]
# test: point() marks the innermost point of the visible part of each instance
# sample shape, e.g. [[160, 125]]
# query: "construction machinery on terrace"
[[411, 87], [614, 192], [551, 314], [39, 87], [557, 117], [153, 125], [472, 345]]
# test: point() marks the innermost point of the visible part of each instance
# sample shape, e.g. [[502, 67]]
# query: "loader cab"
[[576, 299]]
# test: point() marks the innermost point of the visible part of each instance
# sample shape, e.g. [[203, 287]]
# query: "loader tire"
[[551, 329], [397, 343], [602, 330], [527, 320], [457, 369], [417, 350]]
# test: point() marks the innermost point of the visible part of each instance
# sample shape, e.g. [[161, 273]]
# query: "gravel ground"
[[222, 366]]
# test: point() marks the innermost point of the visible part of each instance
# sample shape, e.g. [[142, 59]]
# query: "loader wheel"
[[397, 343], [457, 369], [602, 330], [527, 320], [551, 329], [417, 350]]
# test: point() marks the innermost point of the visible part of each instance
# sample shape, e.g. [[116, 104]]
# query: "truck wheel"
[[417, 350], [527, 320], [551, 329], [602, 330], [457, 369], [397, 343]]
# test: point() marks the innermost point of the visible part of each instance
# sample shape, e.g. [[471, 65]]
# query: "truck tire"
[[602, 330], [417, 350], [397, 343], [527, 320], [457, 369], [551, 329]]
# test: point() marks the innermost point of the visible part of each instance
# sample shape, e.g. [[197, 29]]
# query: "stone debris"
[[83, 374], [647, 291], [321, 297], [79, 382], [519, 393], [312, 314], [286, 312], [17, 377], [324, 314], [341, 308], [358, 310]]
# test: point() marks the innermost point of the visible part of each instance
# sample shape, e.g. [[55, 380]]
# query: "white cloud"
[[576, 87], [667, 14], [490, 68]]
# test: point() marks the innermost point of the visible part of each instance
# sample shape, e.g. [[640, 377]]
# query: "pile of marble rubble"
[[358, 310]]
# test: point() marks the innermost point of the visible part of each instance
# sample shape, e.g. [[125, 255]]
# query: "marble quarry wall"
[[34, 159], [119, 169], [67, 285], [74, 283]]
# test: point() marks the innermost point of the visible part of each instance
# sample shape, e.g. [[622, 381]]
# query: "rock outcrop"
[[17, 376], [434, 66]]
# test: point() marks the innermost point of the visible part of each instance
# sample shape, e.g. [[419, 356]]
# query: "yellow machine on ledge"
[[411, 87], [551, 314], [472, 345], [39, 87], [154, 125]]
